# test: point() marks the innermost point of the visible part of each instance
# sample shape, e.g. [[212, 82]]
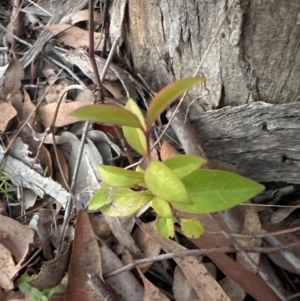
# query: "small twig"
[[81, 147], [254, 265], [91, 53], [104, 28], [54, 61], [16, 37], [265, 250], [258, 235], [102, 288], [39, 7], [32, 257]]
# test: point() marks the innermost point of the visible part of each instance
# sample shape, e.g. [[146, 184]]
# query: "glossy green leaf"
[[191, 227], [161, 207], [99, 199], [183, 165], [168, 95], [124, 201], [216, 190], [116, 176], [163, 183], [165, 226], [24, 285], [134, 108], [135, 136], [107, 114], [136, 139]]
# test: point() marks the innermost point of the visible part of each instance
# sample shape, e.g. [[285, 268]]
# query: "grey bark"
[[255, 56], [261, 138]]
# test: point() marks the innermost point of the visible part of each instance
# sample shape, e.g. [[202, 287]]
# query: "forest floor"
[[51, 246]]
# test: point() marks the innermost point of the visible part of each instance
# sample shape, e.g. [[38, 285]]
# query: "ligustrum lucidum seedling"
[[177, 182]]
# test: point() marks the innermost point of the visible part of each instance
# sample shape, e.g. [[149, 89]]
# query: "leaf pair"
[[131, 118]]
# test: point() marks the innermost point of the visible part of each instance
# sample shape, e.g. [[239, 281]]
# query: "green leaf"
[[165, 226], [124, 201], [60, 288], [163, 183], [191, 227], [36, 295], [183, 165], [168, 95], [135, 136], [107, 114], [136, 139], [216, 190], [134, 108], [24, 285], [161, 207], [100, 198], [116, 176]]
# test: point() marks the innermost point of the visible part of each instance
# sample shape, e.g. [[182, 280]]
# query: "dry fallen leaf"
[[251, 225], [147, 245], [15, 239], [52, 272], [13, 76], [83, 15], [8, 112], [74, 36], [8, 268], [46, 113], [85, 259], [167, 151], [53, 92], [125, 284], [183, 291], [206, 287], [152, 293], [253, 284]]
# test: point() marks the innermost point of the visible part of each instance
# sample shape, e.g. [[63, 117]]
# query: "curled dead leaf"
[[8, 112], [46, 113]]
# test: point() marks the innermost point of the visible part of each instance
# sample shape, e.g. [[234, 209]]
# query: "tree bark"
[[255, 56]]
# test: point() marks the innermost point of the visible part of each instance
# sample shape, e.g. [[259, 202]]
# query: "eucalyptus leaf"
[[163, 183], [136, 139], [191, 227], [107, 114], [216, 190], [165, 226], [183, 165], [169, 94], [124, 201], [116, 176], [161, 207], [99, 199], [134, 108]]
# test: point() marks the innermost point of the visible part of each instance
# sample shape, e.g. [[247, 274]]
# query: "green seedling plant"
[[176, 183], [36, 295], [5, 185]]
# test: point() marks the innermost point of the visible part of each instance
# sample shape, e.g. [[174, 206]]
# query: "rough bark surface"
[[255, 56], [261, 138]]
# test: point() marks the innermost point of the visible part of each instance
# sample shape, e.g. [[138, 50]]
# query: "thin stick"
[[80, 151], [265, 250], [91, 53]]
